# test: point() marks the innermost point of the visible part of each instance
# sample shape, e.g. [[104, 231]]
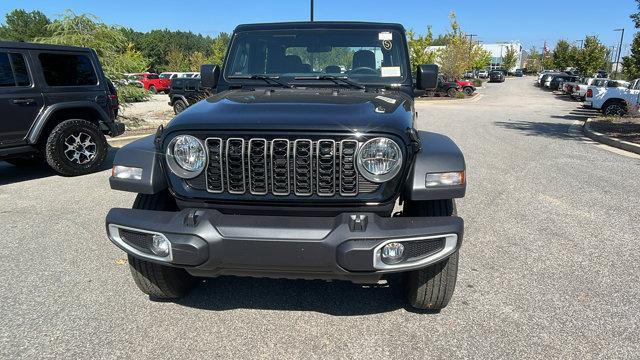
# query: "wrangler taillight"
[[590, 93]]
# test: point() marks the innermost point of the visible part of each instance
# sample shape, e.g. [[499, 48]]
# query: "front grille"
[[282, 167]]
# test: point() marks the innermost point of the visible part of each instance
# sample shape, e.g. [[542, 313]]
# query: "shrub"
[[460, 95], [477, 82], [130, 94]]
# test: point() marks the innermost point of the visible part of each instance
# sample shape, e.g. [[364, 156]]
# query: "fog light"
[[392, 253], [160, 245], [126, 172]]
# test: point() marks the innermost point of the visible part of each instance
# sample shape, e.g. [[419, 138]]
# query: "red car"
[[152, 82], [467, 87]]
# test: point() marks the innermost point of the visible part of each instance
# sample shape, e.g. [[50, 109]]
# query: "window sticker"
[[390, 71], [385, 35], [387, 44]]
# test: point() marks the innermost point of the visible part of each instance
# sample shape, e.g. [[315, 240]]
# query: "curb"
[[607, 140], [476, 97], [122, 141]]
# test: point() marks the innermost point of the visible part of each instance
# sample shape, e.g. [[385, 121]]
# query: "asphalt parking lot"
[[549, 267]]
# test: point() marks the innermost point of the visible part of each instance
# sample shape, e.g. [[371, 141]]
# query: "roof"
[[35, 46], [320, 25]]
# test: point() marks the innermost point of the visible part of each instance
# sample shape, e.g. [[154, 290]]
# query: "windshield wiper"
[[339, 80], [266, 78]]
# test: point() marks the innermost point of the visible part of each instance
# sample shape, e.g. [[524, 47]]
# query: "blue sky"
[[493, 21]]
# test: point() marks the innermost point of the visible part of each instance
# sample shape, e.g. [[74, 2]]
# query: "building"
[[497, 52]]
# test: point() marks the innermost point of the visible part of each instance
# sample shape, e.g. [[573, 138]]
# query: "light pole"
[[470, 48], [619, 51], [581, 43], [312, 10]]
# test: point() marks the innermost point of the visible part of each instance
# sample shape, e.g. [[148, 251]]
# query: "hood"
[[298, 109]]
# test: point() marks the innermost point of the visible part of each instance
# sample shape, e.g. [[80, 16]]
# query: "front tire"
[[179, 106], [159, 281], [468, 91], [431, 288], [76, 147]]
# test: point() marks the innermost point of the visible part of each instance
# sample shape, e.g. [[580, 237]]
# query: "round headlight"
[[379, 159], [186, 156]]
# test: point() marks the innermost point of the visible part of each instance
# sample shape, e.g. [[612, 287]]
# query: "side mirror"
[[427, 77], [209, 75]]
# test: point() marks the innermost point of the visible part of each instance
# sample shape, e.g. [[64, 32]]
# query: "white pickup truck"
[[613, 98]]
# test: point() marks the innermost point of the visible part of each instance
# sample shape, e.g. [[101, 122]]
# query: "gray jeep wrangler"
[[305, 164]]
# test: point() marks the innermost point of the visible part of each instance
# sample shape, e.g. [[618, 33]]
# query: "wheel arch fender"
[[438, 154], [175, 98], [140, 154], [68, 110]]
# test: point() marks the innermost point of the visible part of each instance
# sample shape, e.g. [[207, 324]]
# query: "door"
[[20, 98]]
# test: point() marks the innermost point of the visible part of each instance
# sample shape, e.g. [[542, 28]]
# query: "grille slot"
[[348, 173], [280, 184], [303, 167], [326, 167], [235, 166], [214, 178], [258, 166]]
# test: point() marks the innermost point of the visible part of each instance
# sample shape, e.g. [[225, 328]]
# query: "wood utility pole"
[[311, 10]]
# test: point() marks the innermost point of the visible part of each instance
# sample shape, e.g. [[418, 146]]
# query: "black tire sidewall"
[[153, 89], [179, 104], [54, 147], [468, 91]]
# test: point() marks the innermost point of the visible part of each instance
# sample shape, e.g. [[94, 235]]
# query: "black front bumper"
[[209, 243]]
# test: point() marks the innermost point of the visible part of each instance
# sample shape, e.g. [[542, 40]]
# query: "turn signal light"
[[445, 179]]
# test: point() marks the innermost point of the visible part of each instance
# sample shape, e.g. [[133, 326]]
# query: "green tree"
[[419, 52], [509, 58], [547, 60], [24, 26], [219, 48], [195, 60], [564, 55], [480, 58], [631, 63], [176, 61], [636, 17], [454, 58], [592, 57], [534, 61]]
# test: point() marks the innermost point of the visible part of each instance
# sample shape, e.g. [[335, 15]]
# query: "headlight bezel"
[[173, 164], [380, 178]]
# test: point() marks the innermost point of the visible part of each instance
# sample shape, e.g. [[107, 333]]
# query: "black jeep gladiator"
[[305, 165], [56, 104]]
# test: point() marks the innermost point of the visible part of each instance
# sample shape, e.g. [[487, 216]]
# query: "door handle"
[[23, 101]]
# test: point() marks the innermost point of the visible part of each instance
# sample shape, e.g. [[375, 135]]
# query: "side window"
[[13, 70], [20, 70], [67, 70], [6, 74]]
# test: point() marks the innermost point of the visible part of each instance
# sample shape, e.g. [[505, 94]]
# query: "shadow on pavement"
[[338, 298], [10, 174], [534, 128]]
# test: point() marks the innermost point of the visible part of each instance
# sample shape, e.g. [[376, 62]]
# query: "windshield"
[[364, 56]]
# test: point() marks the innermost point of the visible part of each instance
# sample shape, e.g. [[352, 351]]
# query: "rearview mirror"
[[209, 75], [427, 77]]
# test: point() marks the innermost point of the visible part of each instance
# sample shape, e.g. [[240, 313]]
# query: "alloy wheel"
[[80, 148]]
